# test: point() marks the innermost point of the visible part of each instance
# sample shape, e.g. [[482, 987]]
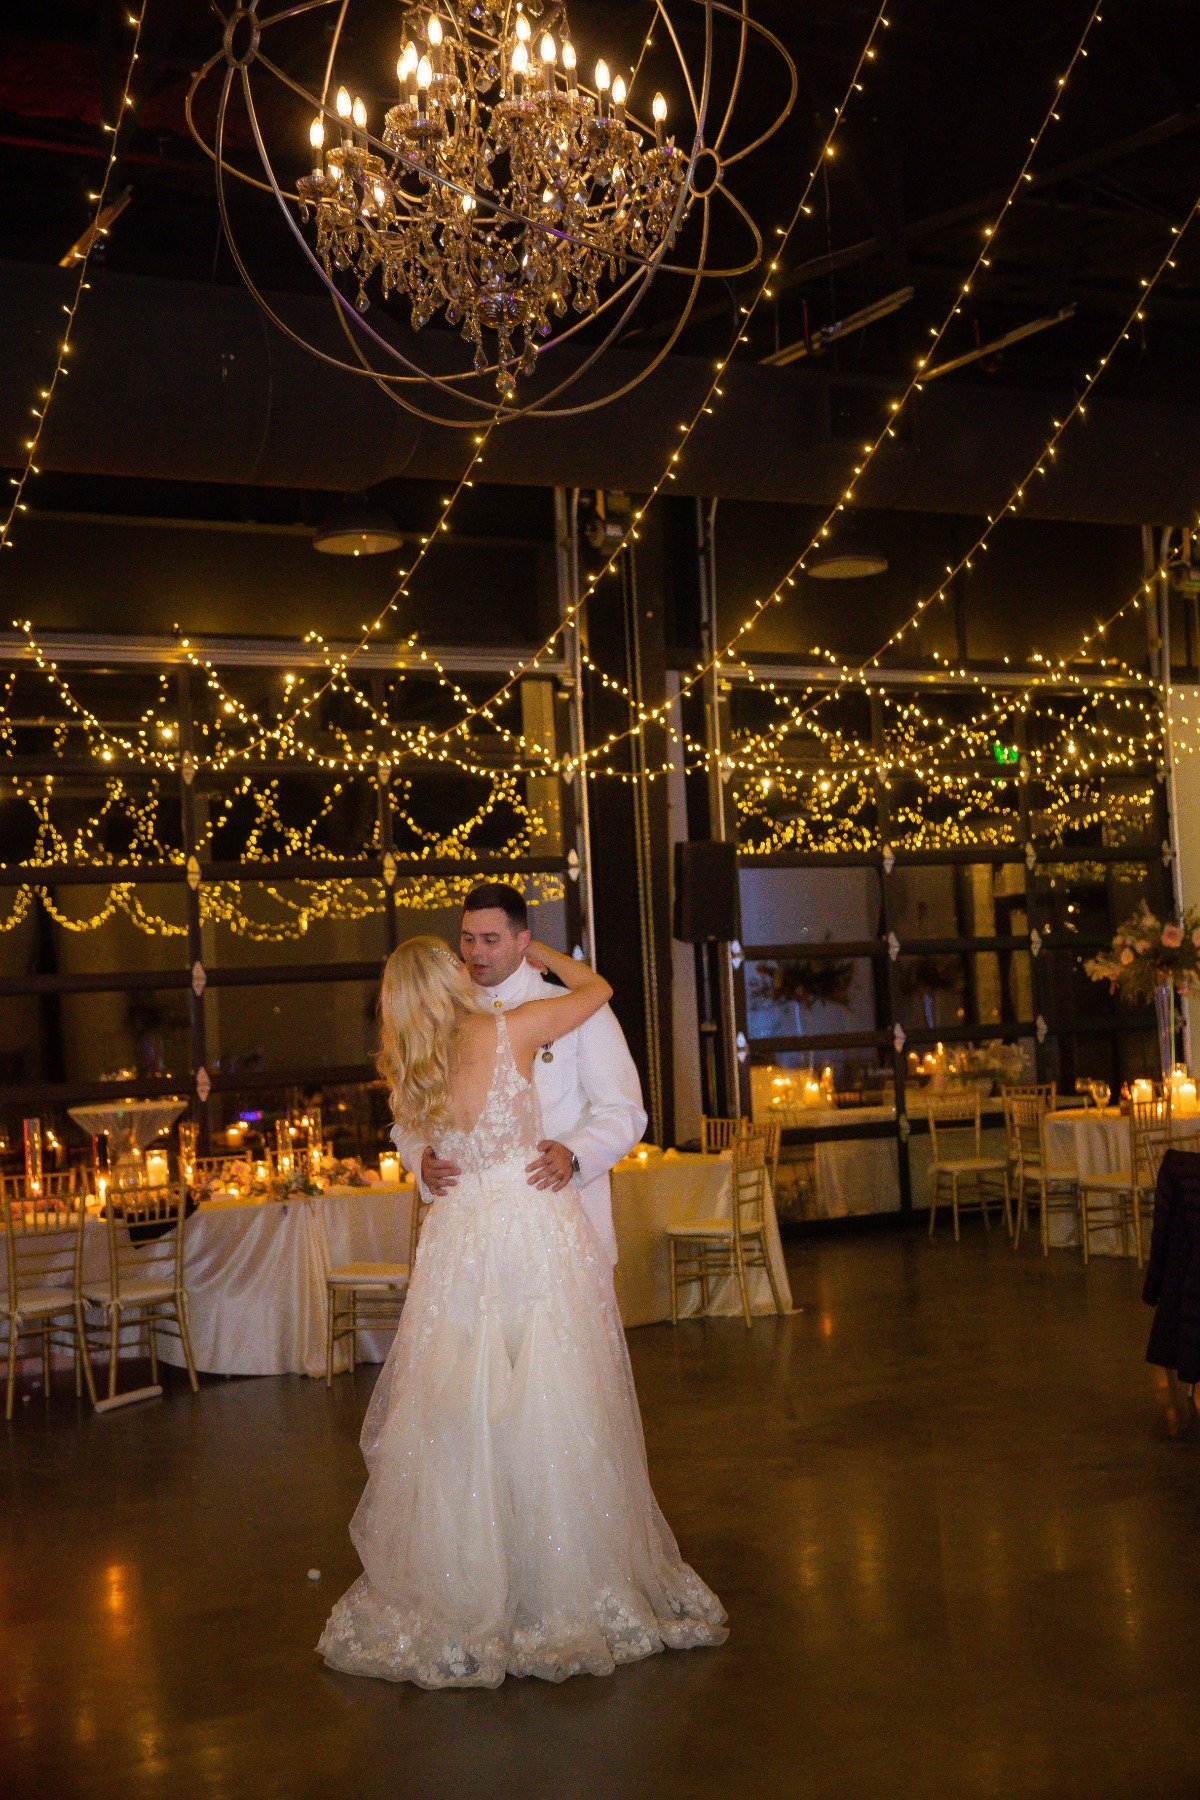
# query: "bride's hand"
[[535, 956]]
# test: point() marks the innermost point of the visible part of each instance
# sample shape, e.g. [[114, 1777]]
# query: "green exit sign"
[[1007, 754]]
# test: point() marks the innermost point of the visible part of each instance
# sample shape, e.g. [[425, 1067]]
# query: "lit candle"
[[433, 31], [157, 1170], [602, 85], [316, 137], [659, 110], [260, 1171], [1142, 1091], [33, 1157], [389, 1169], [1187, 1104]]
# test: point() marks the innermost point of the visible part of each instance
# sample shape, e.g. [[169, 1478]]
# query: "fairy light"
[[46, 395], [1017, 494], [802, 209]]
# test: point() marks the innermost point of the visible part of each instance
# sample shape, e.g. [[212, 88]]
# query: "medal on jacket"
[[547, 1053]]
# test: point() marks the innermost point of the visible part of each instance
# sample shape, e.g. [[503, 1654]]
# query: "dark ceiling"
[[927, 149]]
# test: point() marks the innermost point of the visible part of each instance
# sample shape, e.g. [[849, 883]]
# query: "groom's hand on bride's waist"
[[437, 1175], [554, 1167]]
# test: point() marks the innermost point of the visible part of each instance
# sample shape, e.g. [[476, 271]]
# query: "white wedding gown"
[[507, 1525]]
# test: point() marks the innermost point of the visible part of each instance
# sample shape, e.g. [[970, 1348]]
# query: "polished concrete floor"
[[953, 1515]]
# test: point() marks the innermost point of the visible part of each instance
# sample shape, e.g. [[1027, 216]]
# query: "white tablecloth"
[[255, 1277], [1094, 1143], [671, 1191], [130, 1124]]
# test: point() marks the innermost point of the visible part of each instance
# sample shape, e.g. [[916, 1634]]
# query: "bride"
[[507, 1525]]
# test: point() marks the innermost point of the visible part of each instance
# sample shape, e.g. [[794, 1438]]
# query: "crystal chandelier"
[[499, 194]]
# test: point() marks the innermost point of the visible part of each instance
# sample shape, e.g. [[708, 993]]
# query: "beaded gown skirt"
[[508, 1525]]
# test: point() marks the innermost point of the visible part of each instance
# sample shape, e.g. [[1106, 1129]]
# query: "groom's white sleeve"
[[613, 1118], [411, 1148]]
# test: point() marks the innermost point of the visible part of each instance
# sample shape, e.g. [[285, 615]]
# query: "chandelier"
[[498, 192]]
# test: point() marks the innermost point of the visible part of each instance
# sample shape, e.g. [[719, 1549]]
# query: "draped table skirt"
[[673, 1190], [255, 1277], [1095, 1143]]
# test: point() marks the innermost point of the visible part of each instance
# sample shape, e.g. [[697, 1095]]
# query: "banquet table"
[[1094, 1141], [671, 1190], [130, 1124], [255, 1277]]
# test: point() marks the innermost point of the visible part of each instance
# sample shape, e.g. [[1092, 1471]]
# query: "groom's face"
[[493, 948]]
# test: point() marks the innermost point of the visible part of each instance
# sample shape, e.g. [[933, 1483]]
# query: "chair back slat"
[[145, 1235], [749, 1182], [43, 1239], [951, 1117], [1026, 1109], [720, 1134], [1149, 1136]]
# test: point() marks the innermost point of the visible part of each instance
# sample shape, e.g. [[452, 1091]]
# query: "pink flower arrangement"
[[1148, 953]]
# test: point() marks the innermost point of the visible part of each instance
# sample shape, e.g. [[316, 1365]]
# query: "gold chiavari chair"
[[43, 1244], [708, 1250], [56, 1184], [145, 1285], [721, 1134], [369, 1296], [1026, 1118], [1117, 1202], [958, 1170]]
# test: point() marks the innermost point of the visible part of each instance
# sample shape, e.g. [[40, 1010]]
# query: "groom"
[[587, 1085]]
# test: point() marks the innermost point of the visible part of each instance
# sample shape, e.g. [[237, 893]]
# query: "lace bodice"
[[510, 1125]]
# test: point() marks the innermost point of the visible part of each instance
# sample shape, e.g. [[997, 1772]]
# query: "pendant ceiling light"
[[356, 528], [498, 190]]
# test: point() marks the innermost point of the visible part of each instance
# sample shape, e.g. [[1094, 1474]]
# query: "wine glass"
[[1101, 1094]]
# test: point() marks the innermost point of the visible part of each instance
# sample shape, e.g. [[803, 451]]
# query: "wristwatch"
[[574, 1164]]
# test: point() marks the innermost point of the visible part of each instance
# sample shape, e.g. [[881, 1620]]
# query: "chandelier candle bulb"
[[520, 68], [424, 79], [316, 137], [619, 92], [435, 35], [344, 110], [549, 57], [659, 110], [603, 80], [569, 64]]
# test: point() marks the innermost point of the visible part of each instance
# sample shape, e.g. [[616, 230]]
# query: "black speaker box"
[[706, 892]]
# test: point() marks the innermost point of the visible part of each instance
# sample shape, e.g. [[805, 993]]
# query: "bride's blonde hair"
[[421, 1002]]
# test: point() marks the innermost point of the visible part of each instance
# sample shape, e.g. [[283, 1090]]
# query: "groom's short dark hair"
[[498, 894]]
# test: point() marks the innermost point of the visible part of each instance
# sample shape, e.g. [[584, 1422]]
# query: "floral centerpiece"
[[1148, 954], [1153, 959]]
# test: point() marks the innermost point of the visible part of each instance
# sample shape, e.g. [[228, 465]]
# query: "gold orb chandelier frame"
[[501, 191]]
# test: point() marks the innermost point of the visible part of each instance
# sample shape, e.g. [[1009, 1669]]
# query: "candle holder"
[[33, 1156], [315, 1139], [187, 1149], [100, 1173], [283, 1146]]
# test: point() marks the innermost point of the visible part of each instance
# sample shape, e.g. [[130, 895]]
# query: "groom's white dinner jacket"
[[590, 1096]]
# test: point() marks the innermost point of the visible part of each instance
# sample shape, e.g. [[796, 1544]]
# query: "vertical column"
[[714, 962], [883, 817], [387, 851], [577, 820], [191, 893]]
